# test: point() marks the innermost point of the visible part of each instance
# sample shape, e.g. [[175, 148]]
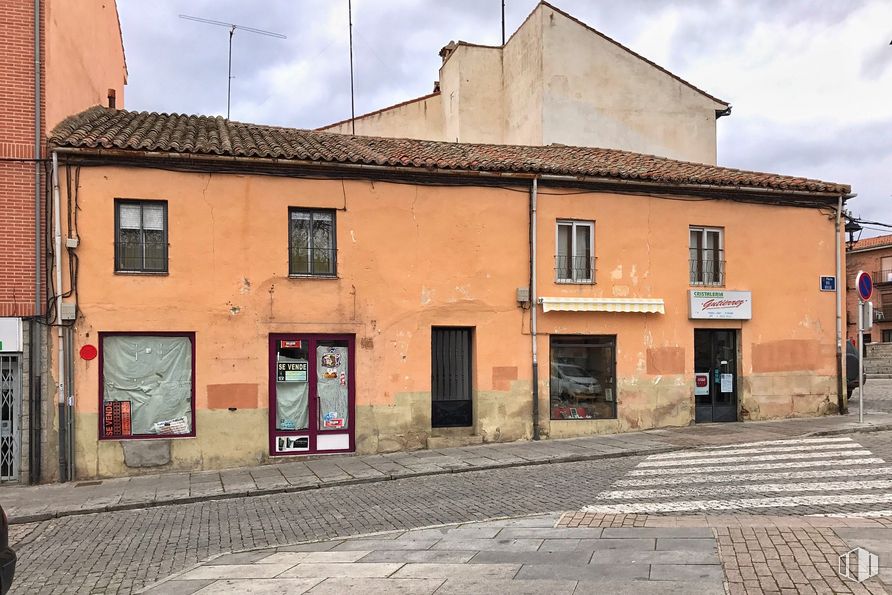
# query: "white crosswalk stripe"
[[835, 474]]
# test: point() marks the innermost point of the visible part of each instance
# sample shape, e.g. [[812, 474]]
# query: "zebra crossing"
[[830, 476]]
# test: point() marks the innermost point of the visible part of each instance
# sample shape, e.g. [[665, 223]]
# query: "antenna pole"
[[503, 22], [352, 101], [229, 74]]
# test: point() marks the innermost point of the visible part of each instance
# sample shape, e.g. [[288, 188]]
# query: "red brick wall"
[[17, 142], [870, 262]]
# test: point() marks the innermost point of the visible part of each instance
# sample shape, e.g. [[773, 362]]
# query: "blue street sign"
[[865, 285], [828, 283]]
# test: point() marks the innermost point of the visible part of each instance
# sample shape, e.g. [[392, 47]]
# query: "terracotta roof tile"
[[103, 128], [867, 243]]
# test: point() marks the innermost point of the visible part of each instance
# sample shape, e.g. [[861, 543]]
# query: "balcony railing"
[[574, 269], [882, 277], [707, 271]]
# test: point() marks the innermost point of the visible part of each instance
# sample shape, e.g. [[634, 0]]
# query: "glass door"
[[715, 375], [311, 394]]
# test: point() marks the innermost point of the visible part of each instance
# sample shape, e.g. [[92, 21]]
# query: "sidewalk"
[[555, 553], [25, 504]]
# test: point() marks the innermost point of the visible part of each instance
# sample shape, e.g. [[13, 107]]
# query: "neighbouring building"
[[872, 255], [58, 57], [555, 81], [246, 294]]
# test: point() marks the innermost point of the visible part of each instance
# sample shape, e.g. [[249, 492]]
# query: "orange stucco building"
[[247, 294]]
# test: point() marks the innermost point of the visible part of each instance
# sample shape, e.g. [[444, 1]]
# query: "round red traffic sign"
[[865, 285]]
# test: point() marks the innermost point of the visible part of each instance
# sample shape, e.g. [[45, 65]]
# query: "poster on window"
[[292, 393], [331, 386], [116, 419]]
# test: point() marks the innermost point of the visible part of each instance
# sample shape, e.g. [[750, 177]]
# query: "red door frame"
[[313, 430]]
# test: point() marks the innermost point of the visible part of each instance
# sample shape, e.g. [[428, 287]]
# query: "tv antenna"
[[232, 27]]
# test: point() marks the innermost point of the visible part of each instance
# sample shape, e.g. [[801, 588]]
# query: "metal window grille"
[[312, 243], [574, 269], [451, 402], [706, 269], [10, 411], [141, 236]]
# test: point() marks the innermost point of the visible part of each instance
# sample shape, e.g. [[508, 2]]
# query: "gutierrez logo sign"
[[727, 305]]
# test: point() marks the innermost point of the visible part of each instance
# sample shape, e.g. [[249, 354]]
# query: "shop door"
[[311, 390], [715, 367], [10, 411]]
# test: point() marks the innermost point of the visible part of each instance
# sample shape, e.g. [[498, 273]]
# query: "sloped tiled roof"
[[101, 128], [868, 243]]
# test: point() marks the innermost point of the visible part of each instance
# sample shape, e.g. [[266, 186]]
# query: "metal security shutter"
[[10, 410], [451, 404]]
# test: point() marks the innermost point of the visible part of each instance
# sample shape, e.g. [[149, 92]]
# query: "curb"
[[574, 458]]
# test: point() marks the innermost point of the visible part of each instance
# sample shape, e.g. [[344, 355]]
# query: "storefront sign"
[[291, 372], [701, 383], [719, 304], [10, 334]]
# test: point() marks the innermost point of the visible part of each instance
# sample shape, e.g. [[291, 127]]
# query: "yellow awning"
[[566, 304]]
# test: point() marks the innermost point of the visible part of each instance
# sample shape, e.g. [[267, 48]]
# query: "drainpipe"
[[57, 263], [534, 306], [35, 332], [841, 395]]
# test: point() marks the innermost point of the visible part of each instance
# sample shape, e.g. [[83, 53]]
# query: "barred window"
[[141, 236], [312, 246], [707, 256], [574, 261]]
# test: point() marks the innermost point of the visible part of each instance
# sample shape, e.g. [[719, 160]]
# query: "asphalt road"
[[120, 552]]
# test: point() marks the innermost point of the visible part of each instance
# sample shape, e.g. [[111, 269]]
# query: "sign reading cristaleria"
[[720, 304]]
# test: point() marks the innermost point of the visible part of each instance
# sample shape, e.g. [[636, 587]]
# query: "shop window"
[[707, 256], [141, 236], [583, 377], [147, 385], [312, 245], [887, 336], [575, 261]]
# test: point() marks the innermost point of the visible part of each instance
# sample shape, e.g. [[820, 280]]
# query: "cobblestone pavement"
[[774, 554], [36, 503], [125, 550], [878, 397]]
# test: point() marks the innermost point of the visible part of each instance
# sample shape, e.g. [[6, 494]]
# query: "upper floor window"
[[312, 245], [884, 275], [141, 236], [707, 264], [575, 261]]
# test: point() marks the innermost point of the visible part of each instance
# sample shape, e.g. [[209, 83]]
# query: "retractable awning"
[[565, 304]]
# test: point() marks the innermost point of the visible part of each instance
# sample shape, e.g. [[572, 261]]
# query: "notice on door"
[[721, 305], [727, 383], [701, 384], [291, 372]]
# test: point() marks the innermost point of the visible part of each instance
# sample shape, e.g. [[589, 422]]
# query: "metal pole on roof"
[[503, 22], [352, 101], [229, 73]]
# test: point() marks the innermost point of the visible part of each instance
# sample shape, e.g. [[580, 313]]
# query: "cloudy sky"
[[810, 81]]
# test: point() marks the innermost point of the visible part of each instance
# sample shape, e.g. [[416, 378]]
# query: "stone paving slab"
[[469, 558], [35, 503]]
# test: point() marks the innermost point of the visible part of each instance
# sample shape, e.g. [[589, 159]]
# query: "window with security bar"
[[141, 236], [574, 261], [312, 243], [707, 256]]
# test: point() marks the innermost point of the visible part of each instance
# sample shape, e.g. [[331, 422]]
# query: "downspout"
[[57, 263], [841, 394], [534, 189], [34, 411]]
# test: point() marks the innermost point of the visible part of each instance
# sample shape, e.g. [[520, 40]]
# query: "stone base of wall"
[[783, 395]]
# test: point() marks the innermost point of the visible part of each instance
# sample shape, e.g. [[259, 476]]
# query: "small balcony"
[[574, 269], [707, 271], [882, 277]]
